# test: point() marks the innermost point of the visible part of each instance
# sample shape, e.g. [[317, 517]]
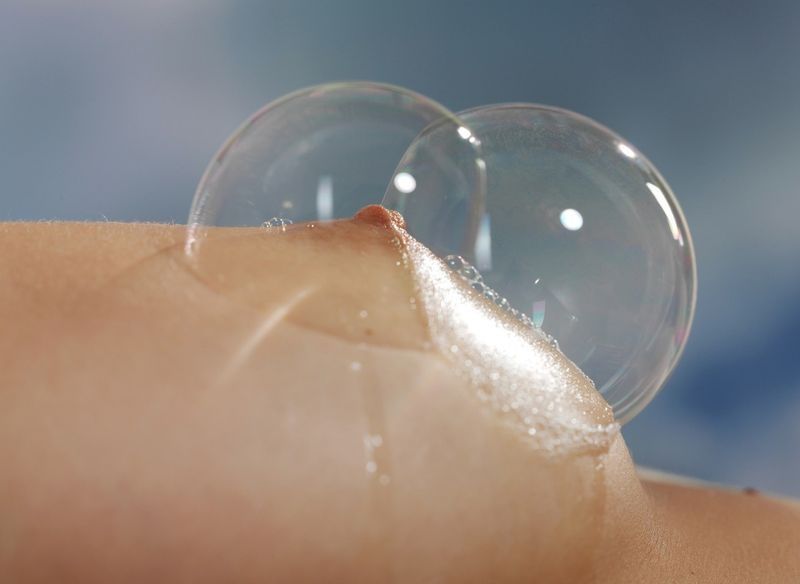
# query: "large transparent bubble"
[[317, 154], [566, 223]]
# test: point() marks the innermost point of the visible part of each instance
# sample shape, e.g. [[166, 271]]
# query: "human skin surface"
[[169, 421]]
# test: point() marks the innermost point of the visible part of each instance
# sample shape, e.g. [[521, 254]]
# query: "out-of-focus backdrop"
[[111, 110]]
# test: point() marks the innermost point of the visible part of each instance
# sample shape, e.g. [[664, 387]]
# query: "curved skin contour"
[[283, 413]]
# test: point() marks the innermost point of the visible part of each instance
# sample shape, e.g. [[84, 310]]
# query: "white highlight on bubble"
[[483, 244], [664, 204], [325, 198], [405, 182], [626, 150], [571, 219]]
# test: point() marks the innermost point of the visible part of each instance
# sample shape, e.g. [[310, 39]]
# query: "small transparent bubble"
[[470, 274], [454, 262]]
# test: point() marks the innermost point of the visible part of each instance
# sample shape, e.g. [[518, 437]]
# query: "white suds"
[[512, 364]]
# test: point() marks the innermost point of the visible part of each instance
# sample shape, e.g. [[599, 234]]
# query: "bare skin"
[[161, 423]]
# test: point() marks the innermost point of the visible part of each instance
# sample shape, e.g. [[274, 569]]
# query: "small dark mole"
[[368, 332], [750, 491]]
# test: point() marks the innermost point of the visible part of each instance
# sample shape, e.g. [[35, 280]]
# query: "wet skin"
[[160, 422]]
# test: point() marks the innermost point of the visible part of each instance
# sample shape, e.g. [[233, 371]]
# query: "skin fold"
[[275, 409]]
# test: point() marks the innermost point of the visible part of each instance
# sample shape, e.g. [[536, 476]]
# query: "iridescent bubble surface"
[[571, 225]]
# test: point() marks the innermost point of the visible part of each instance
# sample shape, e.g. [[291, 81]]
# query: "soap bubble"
[[570, 224], [317, 154]]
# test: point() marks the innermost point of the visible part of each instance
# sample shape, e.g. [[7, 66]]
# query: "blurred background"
[[111, 110]]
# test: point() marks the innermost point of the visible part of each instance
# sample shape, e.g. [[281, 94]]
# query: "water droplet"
[[363, 314], [355, 366]]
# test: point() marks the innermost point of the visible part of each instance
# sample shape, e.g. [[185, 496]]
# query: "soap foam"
[[512, 364]]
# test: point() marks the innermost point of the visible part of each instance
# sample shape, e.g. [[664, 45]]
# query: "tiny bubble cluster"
[[277, 223], [473, 277], [528, 386]]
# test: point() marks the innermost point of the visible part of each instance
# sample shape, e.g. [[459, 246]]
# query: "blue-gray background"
[[112, 109]]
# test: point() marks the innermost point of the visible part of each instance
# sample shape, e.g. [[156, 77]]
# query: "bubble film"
[[565, 224], [317, 154]]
